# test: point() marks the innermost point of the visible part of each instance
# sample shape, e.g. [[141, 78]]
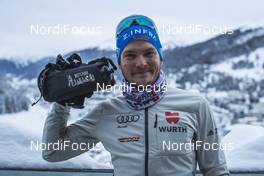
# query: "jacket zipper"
[[156, 121], [146, 142]]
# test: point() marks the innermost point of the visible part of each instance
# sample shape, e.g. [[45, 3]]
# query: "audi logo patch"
[[123, 119]]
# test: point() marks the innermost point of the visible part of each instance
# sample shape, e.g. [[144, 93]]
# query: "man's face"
[[140, 63]]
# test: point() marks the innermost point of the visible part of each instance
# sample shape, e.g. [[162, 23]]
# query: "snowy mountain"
[[32, 69], [242, 41]]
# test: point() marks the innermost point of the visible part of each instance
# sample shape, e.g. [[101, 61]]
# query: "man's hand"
[[69, 81], [76, 102]]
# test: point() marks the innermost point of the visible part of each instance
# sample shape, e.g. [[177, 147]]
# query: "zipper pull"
[[156, 121]]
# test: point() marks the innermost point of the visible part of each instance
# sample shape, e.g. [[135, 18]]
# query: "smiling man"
[[135, 67], [149, 131]]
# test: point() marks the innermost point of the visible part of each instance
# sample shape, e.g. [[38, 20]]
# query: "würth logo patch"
[[172, 117]]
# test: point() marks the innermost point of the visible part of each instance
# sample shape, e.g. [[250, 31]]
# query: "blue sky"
[[179, 22]]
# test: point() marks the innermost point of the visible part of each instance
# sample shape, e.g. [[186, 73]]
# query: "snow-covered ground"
[[19, 129], [248, 144]]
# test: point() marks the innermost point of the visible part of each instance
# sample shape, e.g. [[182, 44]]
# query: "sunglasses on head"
[[134, 20]]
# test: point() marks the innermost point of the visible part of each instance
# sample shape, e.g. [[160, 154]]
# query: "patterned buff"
[[138, 99]]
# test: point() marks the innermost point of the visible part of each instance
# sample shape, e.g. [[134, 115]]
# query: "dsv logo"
[[122, 119]]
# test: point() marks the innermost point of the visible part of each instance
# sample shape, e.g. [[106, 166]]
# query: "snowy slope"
[[255, 60]]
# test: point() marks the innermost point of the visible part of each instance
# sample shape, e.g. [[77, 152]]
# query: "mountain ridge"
[[217, 49]]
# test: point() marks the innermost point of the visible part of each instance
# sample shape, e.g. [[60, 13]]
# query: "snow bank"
[[17, 132], [248, 148]]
